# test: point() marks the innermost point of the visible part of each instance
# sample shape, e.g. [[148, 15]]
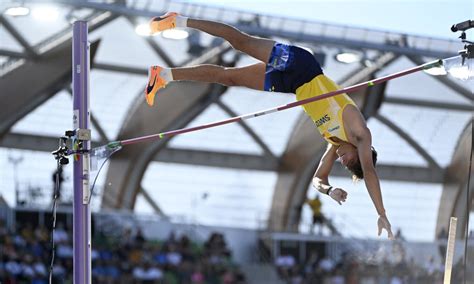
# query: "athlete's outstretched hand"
[[339, 195], [383, 223]]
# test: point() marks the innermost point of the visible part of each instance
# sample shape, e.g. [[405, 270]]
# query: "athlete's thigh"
[[250, 76]]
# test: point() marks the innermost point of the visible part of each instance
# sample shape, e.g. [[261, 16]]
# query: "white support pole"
[[448, 266]]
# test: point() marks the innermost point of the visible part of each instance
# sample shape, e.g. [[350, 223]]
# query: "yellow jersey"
[[325, 113]]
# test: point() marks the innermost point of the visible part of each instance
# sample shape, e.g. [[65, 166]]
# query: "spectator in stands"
[[197, 276], [173, 257], [64, 250], [399, 236], [432, 267], [296, 276], [326, 264], [3, 228], [185, 248], [337, 276], [318, 218], [147, 273], [284, 264], [13, 268], [60, 235], [41, 273], [23, 259], [37, 249], [112, 271], [216, 249], [41, 234], [59, 271], [27, 233], [98, 271], [139, 238], [27, 270]]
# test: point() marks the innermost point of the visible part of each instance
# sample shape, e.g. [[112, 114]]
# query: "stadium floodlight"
[[17, 11], [348, 57], [143, 29]]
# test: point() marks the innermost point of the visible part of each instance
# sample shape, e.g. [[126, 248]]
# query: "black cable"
[[468, 203], [55, 199], [53, 217], [98, 172]]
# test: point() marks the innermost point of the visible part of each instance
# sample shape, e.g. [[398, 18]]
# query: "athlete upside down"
[[288, 69]]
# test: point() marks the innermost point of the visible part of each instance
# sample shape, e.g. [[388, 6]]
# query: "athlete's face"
[[348, 155]]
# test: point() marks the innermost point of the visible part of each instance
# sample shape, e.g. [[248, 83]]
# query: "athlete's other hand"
[[383, 223], [339, 195]]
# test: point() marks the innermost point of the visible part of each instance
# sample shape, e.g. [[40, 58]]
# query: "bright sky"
[[432, 18]]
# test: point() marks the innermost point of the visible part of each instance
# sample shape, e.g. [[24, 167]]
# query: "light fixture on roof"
[[143, 29], [462, 66], [348, 57], [17, 11], [45, 13], [175, 34]]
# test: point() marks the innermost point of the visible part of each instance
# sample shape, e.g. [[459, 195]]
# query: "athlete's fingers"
[[390, 235]]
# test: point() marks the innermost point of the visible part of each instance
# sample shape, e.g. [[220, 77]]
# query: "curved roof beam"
[[179, 105], [119, 68], [158, 50], [431, 162], [454, 198], [152, 202], [255, 137], [48, 74], [12, 54], [46, 77], [429, 104], [56, 41], [30, 51]]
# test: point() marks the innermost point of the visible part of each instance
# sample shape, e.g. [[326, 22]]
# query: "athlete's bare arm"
[[321, 176], [360, 136], [363, 139]]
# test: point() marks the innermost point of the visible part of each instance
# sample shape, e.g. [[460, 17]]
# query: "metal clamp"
[[76, 139]]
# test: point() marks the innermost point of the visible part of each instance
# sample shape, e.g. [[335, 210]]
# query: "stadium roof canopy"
[[254, 174]]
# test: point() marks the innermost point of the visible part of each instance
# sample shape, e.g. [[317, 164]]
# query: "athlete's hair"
[[356, 169]]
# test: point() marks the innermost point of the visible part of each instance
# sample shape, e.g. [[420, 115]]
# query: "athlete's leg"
[[251, 76], [260, 48]]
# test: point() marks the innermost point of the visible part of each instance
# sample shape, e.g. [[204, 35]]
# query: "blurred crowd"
[[25, 256], [351, 269]]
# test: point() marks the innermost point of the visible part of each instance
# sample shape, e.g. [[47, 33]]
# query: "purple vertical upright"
[[81, 118]]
